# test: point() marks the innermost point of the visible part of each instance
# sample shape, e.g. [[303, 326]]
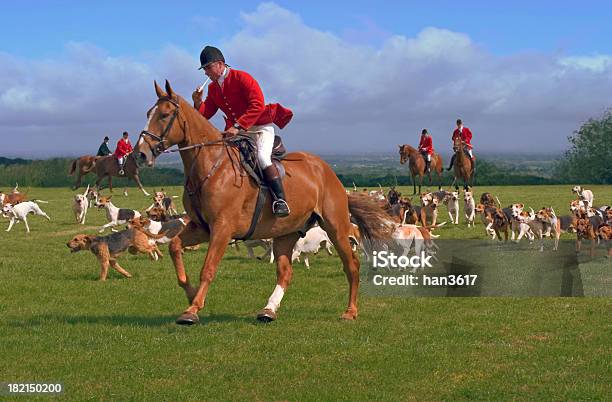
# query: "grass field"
[[118, 340]]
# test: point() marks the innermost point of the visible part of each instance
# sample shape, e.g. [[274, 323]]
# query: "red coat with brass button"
[[426, 144], [466, 136], [242, 101]]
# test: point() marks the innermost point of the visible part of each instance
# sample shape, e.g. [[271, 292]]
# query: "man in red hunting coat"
[[466, 137], [239, 96], [426, 148], [124, 148]]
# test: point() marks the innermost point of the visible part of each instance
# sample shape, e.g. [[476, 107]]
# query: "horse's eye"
[[163, 116]]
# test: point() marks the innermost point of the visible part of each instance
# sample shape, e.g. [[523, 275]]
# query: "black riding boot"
[[279, 206], [473, 166], [451, 163], [427, 166]]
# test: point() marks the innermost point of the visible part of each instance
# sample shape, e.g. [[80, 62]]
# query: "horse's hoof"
[[188, 319], [266, 315], [349, 316]]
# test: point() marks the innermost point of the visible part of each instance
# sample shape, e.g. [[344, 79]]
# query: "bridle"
[[160, 148]]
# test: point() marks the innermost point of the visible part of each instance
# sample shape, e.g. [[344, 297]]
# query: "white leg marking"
[[275, 299]]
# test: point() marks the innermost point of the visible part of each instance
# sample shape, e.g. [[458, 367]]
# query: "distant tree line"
[[589, 159], [487, 173], [54, 173]]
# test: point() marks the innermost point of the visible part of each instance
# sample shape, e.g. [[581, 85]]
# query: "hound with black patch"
[[168, 230], [161, 200], [115, 216], [92, 196], [487, 199], [108, 248]]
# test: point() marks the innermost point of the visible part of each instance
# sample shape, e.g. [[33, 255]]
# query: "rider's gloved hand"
[[197, 97], [230, 132]]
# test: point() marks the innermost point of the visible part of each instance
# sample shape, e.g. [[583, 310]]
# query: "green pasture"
[[117, 340]]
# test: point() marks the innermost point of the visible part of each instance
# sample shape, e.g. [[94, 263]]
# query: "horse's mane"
[[409, 148], [191, 111]]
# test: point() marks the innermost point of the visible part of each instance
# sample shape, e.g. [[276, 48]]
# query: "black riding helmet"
[[210, 54]]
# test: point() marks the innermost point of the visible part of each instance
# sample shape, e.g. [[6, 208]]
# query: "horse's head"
[[403, 151], [457, 143], [164, 127]]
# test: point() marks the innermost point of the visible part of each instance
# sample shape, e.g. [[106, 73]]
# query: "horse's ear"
[[160, 92], [169, 90]]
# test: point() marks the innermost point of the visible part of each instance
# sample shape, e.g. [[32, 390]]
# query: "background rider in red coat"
[[426, 148], [124, 148], [239, 96], [466, 137]]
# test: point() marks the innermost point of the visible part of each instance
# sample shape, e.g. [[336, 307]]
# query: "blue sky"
[[515, 71], [42, 28]]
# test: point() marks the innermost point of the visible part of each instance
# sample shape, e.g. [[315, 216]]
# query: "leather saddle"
[[247, 146]]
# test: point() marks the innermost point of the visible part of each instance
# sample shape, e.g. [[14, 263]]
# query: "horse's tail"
[[73, 167], [373, 222]]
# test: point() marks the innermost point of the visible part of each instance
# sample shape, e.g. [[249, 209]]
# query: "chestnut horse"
[[462, 166], [417, 165], [220, 201], [108, 166], [82, 166]]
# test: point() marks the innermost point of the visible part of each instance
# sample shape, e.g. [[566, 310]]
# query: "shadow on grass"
[[125, 320]]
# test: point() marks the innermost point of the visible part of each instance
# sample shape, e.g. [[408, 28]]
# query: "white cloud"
[[598, 64], [346, 96]]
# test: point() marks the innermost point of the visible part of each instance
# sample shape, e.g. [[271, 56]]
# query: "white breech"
[[121, 160], [428, 158], [265, 143], [470, 153]]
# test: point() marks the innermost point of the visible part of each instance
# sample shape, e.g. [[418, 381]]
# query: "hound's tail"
[[432, 227]]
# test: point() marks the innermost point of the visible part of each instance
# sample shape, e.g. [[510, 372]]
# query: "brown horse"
[[417, 165], [220, 200], [463, 168], [82, 166], [107, 166]]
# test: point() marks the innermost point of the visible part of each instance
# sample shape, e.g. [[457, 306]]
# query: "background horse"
[[108, 166], [462, 166], [221, 200], [82, 166], [417, 165]]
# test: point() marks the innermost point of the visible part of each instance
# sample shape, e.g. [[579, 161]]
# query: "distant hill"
[[16, 161]]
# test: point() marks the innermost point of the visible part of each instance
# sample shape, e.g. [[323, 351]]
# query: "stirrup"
[[121, 172], [280, 208]]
